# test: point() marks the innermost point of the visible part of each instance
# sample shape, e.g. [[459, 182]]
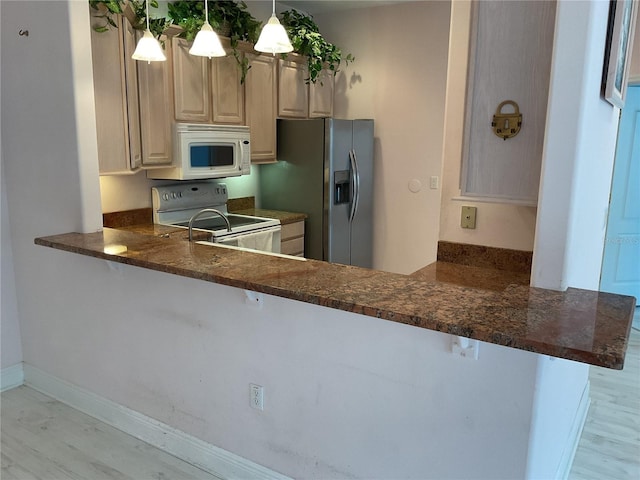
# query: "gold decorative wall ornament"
[[507, 125]]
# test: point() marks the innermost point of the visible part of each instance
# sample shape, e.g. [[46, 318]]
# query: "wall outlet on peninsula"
[[256, 396]]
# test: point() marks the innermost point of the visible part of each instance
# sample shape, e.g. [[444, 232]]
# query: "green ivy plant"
[[307, 40], [156, 25], [227, 17], [109, 8]]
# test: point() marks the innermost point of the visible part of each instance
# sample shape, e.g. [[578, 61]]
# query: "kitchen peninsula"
[[580, 325], [346, 395]]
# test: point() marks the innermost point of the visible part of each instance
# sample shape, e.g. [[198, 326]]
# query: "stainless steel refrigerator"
[[325, 169]]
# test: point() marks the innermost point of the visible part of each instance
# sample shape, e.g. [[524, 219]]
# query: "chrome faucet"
[[205, 210]]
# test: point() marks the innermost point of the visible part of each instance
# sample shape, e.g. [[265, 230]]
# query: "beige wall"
[[498, 225], [406, 100], [11, 346], [399, 80]]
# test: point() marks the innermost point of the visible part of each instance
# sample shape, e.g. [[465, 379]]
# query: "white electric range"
[[174, 205]]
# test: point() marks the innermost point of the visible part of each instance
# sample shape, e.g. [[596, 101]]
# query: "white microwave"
[[203, 151]]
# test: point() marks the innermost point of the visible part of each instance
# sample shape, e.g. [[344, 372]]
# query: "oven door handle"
[[232, 235], [233, 239]]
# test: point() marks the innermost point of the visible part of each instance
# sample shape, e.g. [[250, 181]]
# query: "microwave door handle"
[[355, 176]]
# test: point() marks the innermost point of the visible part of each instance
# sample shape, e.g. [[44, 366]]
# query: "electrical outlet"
[[468, 219], [434, 182], [256, 396]]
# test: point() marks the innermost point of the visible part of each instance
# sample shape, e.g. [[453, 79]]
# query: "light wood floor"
[[610, 445], [45, 439]]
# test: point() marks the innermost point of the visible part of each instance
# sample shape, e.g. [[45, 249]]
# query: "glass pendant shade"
[[149, 49], [207, 43], [273, 38]]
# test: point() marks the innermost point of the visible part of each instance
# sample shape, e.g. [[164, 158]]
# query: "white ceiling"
[[329, 6]]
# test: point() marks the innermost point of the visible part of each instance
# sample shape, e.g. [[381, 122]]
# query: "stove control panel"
[[188, 196]]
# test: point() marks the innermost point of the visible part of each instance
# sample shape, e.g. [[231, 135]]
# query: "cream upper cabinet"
[[133, 100], [298, 99], [293, 92], [206, 90], [227, 93], [116, 100], [155, 88], [191, 84], [321, 95], [261, 106]]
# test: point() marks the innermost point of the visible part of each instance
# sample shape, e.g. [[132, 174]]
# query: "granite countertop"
[[247, 206], [141, 219], [471, 276], [581, 325]]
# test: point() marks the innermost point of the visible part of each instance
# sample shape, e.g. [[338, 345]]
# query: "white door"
[[621, 261]]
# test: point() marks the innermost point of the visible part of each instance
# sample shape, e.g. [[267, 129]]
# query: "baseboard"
[[208, 457], [569, 453], [11, 377]]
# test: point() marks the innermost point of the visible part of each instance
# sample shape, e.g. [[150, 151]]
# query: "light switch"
[[468, 219]]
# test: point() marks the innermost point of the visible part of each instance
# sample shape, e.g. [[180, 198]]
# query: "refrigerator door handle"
[[356, 184]]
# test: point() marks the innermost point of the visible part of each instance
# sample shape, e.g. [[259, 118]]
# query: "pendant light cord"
[[206, 12], [146, 4]]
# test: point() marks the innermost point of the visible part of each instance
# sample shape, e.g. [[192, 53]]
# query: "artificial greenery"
[[111, 7], [231, 18], [115, 7], [156, 25], [307, 40], [227, 17]]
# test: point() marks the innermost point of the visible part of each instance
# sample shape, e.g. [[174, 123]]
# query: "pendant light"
[[207, 43], [148, 48], [273, 38]]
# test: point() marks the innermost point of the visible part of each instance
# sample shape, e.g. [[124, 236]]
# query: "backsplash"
[[127, 218], [242, 203], [131, 192], [485, 257]]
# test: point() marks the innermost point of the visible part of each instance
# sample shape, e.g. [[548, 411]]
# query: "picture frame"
[[620, 33]]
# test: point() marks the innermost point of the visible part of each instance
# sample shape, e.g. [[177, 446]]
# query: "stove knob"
[[165, 196]]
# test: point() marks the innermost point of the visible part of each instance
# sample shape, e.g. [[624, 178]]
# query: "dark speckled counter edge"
[[580, 325]]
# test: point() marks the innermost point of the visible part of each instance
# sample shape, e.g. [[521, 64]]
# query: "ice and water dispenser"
[[341, 187]]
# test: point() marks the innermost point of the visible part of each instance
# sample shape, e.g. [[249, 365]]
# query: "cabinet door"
[[156, 110], [133, 101], [116, 112], [261, 97], [292, 239], [293, 92], [227, 91], [321, 95], [492, 168], [191, 84]]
